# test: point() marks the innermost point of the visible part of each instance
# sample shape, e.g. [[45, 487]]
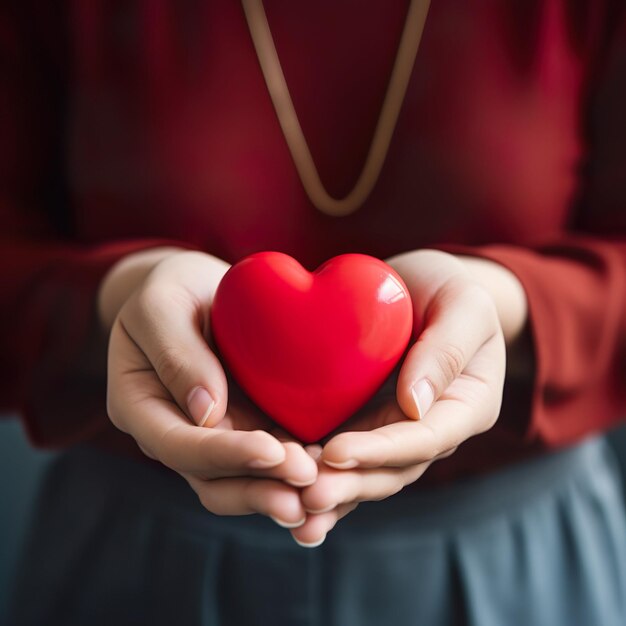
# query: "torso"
[[486, 146]]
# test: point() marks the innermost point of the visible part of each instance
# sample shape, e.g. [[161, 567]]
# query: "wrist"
[[507, 293], [511, 303], [124, 277]]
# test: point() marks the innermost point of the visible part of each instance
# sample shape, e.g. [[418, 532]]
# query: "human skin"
[[155, 306], [449, 386], [164, 381]]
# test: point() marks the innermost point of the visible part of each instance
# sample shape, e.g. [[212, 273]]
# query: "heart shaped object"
[[311, 348]]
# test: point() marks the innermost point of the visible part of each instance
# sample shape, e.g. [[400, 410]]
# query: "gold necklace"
[[288, 119]]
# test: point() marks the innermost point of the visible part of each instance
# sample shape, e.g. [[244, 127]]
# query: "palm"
[[380, 410], [475, 387], [243, 414], [144, 387]]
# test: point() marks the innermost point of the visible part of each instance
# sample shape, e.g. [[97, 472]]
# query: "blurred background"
[[21, 470]]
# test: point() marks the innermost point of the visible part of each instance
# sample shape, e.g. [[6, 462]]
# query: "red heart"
[[311, 348]]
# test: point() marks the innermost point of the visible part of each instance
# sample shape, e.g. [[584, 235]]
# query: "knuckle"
[[481, 303], [165, 456], [209, 501], [446, 453], [249, 493], [494, 411], [392, 485], [160, 292], [261, 495], [492, 417], [451, 360], [398, 484], [147, 452], [431, 451], [389, 445], [113, 411], [488, 420], [431, 446], [259, 438], [171, 364], [431, 256], [150, 299], [474, 293], [158, 295], [166, 449]]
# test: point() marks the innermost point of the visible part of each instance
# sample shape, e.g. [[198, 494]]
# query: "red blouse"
[[131, 122]]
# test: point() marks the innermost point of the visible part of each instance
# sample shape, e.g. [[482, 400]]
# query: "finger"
[[281, 434], [314, 530], [137, 404], [403, 443], [336, 487], [314, 450], [208, 453], [299, 469], [446, 454], [167, 324], [244, 496], [469, 406], [460, 319]]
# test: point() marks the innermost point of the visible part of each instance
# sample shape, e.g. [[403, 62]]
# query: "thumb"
[[168, 331], [460, 319]]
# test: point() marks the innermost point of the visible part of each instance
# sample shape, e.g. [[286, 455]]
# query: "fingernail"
[[300, 483], [200, 404], [349, 464], [310, 545], [289, 524], [264, 463], [314, 450], [423, 396], [330, 507]]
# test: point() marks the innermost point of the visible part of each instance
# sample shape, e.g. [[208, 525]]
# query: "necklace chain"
[[288, 119]]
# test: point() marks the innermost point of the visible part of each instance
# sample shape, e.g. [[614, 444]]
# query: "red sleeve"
[[52, 355], [576, 294], [576, 284]]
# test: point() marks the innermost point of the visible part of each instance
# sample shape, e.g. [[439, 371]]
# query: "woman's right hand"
[[167, 389]]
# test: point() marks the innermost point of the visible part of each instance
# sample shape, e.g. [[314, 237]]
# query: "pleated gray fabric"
[[542, 543]]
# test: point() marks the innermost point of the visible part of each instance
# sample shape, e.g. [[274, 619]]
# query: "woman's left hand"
[[449, 388]]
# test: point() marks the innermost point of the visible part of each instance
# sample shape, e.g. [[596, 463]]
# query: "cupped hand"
[[449, 388], [167, 389]]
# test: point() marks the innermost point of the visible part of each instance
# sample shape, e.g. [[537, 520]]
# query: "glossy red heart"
[[311, 348]]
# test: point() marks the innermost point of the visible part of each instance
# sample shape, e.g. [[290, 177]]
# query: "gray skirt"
[[119, 542]]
